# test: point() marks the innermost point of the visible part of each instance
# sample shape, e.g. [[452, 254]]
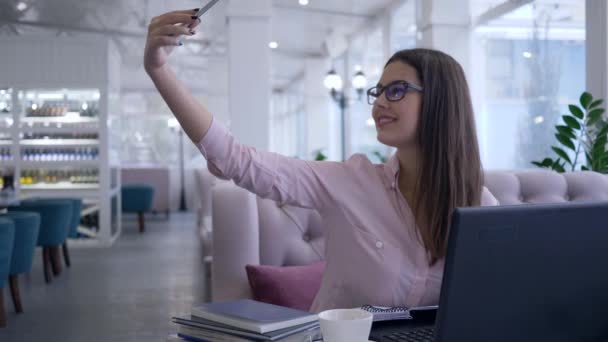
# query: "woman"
[[387, 225]]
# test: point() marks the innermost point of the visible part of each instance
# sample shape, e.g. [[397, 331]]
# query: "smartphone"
[[205, 8]]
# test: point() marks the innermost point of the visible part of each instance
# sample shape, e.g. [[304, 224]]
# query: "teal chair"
[[55, 218], [7, 238], [137, 198], [73, 228], [27, 227]]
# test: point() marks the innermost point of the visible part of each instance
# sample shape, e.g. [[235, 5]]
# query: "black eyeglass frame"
[[371, 98]]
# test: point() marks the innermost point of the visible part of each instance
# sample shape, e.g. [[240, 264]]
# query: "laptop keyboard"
[[415, 335]]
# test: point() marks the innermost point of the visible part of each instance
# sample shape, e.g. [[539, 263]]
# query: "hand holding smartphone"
[[205, 8]]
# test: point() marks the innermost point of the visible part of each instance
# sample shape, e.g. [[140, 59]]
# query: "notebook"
[[252, 315], [276, 335], [195, 334], [391, 313]]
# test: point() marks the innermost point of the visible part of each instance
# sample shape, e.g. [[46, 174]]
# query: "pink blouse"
[[373, 252]]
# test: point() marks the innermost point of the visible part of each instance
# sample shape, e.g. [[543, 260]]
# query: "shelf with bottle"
[[7, 183], [64, 163], [58, 129], [60, 186], [60, 104], [69, 118], [80, 154], [6, 155], [67, 178], [6, 123], [59, 142], [5, 101], [59, 139]]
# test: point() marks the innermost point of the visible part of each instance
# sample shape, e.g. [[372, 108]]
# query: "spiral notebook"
[[391, 313]]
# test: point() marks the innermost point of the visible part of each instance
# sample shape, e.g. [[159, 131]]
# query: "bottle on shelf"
[[59, 176], [47, 109], [5, 154], [7, 183], [56, 155]]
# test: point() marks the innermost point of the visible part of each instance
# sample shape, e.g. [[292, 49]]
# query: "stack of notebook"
[[246, 320]]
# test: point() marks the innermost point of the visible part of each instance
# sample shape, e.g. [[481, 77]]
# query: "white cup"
[[345, 325]]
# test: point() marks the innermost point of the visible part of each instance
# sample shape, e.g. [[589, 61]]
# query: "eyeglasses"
[[394, 91]]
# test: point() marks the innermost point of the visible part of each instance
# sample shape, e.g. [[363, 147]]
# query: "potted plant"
[[584, 132]]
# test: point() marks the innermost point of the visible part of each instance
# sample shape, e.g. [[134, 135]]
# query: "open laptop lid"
[[526, 273]]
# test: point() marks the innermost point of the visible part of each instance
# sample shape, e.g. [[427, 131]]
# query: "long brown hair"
[[449, 170]]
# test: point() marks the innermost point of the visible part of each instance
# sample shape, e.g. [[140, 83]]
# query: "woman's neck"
[[408, 170]]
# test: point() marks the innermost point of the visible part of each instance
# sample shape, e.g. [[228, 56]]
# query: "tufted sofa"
[[251, 230]]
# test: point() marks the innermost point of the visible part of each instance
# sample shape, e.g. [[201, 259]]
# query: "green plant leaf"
[[548, 162], [594, 116], [562, 154], [586, 99], [603, 131], [603, 164], [584, 168], [567, 131], [576, 111], [599, 146], [539, 164], [557, 166], [596, 103], [564, 140], [589, 160], [572, 122]]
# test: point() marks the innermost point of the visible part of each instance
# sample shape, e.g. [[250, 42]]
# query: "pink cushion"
[[291, 286]]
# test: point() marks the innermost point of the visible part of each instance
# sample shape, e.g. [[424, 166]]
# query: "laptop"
[[519, 273]]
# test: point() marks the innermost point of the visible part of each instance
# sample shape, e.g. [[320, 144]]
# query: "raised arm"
[[269, 175], [165, 34]]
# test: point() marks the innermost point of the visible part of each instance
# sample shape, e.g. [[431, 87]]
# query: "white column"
[[348, 90], [596, 12], [387, 33], [445, 25], [249, 84], [217, 88], [317, 106], [478, 86], [387, 51]]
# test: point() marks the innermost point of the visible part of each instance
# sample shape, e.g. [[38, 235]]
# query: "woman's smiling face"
[[397, 121]]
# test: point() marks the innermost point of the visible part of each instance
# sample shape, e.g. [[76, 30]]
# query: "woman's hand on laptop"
[[165, 32]]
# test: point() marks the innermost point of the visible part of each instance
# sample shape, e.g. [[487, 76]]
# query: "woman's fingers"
[[162, 41], [172, 19], [195, 23], [172, 30]]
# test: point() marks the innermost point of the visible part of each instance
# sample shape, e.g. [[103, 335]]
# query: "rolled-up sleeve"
[[287, 180]]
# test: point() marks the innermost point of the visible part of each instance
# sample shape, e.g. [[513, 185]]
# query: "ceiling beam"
[[293, 80], [499, 11], [92, 30], [298, 54], [308, 9], [376, 19]]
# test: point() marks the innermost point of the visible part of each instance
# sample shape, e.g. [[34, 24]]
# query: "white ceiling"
[[300, 31]]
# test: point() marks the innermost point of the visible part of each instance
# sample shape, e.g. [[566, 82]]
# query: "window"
[[366, 54], [288, 125], [534, 67]]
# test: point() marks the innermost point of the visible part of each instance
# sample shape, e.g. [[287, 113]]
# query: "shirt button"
[[379, 244], [306, 238]]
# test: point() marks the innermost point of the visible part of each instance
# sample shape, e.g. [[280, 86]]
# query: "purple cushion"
[[291, 286]]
